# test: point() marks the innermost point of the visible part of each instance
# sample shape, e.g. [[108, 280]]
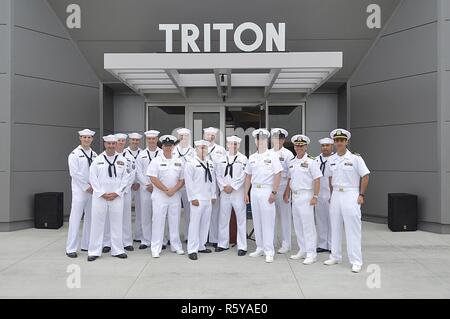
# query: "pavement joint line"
[[137, 277]]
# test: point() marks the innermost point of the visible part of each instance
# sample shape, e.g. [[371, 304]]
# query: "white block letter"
[[74, 19], [248, 47], [374, 19], [189, 34], [279, 38], [169, 28], [223, 27], [207, 37]]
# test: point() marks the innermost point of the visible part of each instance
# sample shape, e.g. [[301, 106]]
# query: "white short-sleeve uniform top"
[[346, 171], [263, 167], [302, 172]]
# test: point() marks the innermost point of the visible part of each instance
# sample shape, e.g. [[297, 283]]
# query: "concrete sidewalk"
[[413, 265]]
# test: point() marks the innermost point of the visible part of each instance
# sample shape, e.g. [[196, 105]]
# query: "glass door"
[[200, 117]]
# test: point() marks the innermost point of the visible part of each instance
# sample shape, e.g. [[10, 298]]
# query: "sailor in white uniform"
[[80, 159], [348, 183], [186, 152], [230, 174], [304, 185], [263, 175], [109, 178], [199, 177], [133, 150], [146, 187], [215, 152], [322, 210], [167, 176], [284, 214]]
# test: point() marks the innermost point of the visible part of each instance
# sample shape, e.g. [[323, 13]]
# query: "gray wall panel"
[[446, 44], [402, 54], [446, 8], [129, 113], [412, 13], [4, 11], [421, 184], [408, 100], [446, 208], [446, 142], [314, 146], [4, 197], [321, 112], [4, 49], [395, 147], [48, 156], [68, 105], [5, 93], [4, 144], [25, 185], [37, 15], [446, 95], [48, 57], [108, 111]]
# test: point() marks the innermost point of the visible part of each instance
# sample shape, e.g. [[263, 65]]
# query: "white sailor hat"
[[110, 138], [300, 140], [152, 133], [210, 130], [261, 132], [276, 132], [86, 132], [340, 133], [201, 143], [184, 131], [135, 136], [121, 136], [234, 139], [326, 140], [168, 139]]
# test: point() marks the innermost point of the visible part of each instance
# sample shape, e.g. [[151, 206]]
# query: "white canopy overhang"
[[276, 72]]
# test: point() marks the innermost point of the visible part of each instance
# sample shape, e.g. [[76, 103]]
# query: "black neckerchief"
[[149, 157], [183, 155], [88, 158], [229, 168], [135, 157], [210, 152], [207, 171], [111, 165]]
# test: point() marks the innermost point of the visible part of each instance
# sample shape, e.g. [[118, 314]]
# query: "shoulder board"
[[144, 156], [357, 154], [311, 157]]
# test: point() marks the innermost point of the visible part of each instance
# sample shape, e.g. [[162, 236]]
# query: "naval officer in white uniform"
[[215, 152], [322, 210], [186, 152], [146, 187], [348, 183], [166, 174], [80, 159], [263, 175], [200, 180], [283, 208], [304, 185], [230, 174], [109, 178]]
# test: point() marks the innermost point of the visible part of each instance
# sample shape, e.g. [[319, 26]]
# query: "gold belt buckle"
[[258, 186], [341, 189]]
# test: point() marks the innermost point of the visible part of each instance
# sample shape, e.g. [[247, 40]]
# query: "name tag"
[[120, 163], [267, 161], [100, 163], [198, 166], [81, 156], [178, 164], [144, 156], [305, 165], [292, 166], [281, 159], [348, 164], [163, 164]]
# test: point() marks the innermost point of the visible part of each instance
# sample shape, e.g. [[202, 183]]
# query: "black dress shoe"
[[205, 251], [121, 256], [163, 247], [219, 249], [168, 243], [142, 246], [136, 240], [72, 255], [106, 249], [192, 256], [321, 250], [129, 248], [92, 258], [242, 252], [84, 250]]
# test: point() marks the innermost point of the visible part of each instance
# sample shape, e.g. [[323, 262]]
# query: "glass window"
[[289, 118], [166, 119]]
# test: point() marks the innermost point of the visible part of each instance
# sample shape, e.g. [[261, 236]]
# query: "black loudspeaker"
[[402, 212], [48, 210]]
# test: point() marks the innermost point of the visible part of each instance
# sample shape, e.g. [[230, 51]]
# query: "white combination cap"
[[184, 131], [277, 131], [234, 139], [325, 141], [135, 135], [168, 139], [261, 132], [110, 138], [210, 130], [300, 140], [121, 136], [152, 133], [201, 143], [86, 132], [340, 133]]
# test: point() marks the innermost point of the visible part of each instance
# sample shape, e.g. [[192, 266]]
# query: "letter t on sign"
[[169, 28]]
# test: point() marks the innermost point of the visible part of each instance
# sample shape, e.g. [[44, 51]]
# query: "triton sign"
[[273, 38]]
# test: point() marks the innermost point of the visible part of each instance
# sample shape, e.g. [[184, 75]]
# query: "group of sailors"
[[321, 196]]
